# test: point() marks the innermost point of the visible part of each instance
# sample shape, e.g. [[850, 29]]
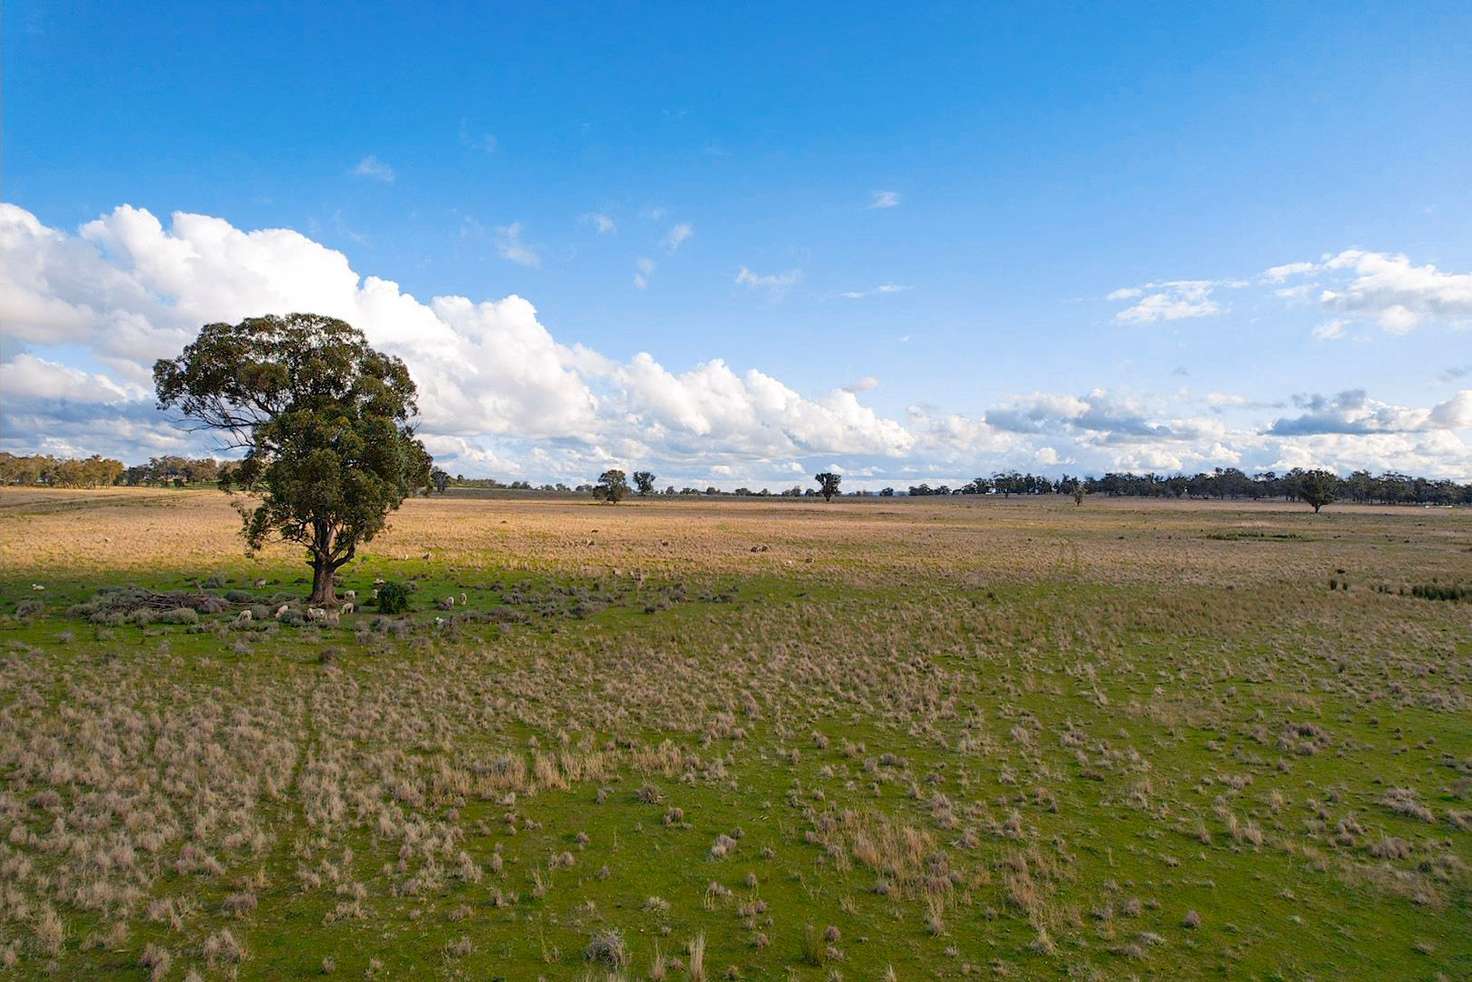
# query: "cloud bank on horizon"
[[84, 315]]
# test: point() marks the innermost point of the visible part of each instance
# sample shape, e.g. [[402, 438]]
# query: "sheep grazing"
[[349, 607], [37, 586], [281, 611], [260, 584], [244, 618], [350, 594]]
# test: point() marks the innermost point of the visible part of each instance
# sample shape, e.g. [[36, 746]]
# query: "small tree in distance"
[[324, 422], [1317, 488], [828, 483], [612, 487], [440, 479], [644, 481]]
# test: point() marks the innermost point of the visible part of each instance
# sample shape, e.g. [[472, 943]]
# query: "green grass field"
[[741, 740]]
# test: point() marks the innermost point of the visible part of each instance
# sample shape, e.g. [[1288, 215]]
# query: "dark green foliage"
[[644, 482], [393, 598], [613, 487], [440, 479], [828, 483], [1317, 488], [324, 422]]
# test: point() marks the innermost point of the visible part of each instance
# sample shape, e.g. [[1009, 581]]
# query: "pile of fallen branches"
[[123, 600]]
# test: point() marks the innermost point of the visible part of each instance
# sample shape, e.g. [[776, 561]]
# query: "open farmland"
[[740, 739]]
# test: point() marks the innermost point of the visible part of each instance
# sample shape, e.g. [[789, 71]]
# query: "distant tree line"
[[1360, 487], [178, 471], [1223, 483], [99, 471], [491, 484], [60, 472]]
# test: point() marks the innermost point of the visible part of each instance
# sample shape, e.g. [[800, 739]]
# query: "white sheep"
[[350, 594], [245, 617], [348, 608], [281, 611]]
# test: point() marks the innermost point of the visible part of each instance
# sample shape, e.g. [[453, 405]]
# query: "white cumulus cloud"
[[1388, 287], [84, 315]]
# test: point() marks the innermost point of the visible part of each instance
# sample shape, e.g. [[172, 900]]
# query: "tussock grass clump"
[[608, 948]]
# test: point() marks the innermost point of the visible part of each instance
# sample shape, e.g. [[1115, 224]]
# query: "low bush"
[[1437, 591], [179, 615], [393, 598]]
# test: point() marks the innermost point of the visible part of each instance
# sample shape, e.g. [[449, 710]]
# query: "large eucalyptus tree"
[[325, 423]]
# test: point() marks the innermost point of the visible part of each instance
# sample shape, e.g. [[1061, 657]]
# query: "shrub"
[[1435, 591], [179, 615], [393, 598]]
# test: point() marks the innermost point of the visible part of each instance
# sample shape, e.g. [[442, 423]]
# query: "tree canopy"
[[324, 421], [828, 483], [1317, 488], [612, 487]]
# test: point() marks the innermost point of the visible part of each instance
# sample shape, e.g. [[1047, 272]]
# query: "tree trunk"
[[324, 593]]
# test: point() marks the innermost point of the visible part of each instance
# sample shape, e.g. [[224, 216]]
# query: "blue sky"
[[932, 207]]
